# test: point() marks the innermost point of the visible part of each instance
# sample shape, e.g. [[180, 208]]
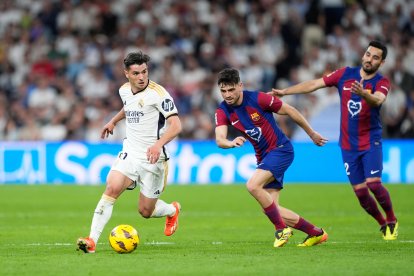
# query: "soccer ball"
[[124, 238]]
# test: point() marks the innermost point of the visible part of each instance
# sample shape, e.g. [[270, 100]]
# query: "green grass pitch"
[[222, 231]]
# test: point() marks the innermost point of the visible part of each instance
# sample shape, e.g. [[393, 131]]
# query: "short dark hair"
[[379, 45], [228, 76], [136, 58]]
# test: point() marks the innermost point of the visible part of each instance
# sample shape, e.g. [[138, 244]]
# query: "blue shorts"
[[277, 161], [359, 165]]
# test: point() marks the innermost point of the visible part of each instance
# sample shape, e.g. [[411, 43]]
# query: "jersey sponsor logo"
[[255, 116], [235, 122], [167, 105], [254, 133], [374, 172], [354, 107], [133, 116]]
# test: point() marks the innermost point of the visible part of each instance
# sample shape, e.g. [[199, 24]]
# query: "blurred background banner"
[[192, 162]]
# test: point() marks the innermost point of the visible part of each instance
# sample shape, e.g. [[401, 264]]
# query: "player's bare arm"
[[375, 99], [301, 88], [109, 127], [173, 129], [296, 116], [223, 142]]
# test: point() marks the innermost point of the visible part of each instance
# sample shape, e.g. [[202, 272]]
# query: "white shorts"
[[152, 178]]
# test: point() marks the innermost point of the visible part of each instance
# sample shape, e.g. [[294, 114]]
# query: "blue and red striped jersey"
[[360, 122], [254, 118]]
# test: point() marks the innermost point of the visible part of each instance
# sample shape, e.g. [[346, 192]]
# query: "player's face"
[[231, 93], [372, 60], [137, 76]]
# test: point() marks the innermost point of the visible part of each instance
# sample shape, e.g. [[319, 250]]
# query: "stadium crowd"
[[61, 61]]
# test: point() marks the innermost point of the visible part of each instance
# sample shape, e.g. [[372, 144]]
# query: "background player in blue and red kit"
[[251, 113], [362, 90]]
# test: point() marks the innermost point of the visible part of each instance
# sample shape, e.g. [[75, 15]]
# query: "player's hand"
[[277, 92], [238, 141], [358, 87], [107, 129], [318, 139], [153, 154]]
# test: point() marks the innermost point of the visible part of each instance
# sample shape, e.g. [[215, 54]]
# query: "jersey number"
[[347, 168], [122, 155]]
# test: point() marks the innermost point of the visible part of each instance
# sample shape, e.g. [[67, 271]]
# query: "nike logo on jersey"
[[374, 172], [235, 122], [347, 88]]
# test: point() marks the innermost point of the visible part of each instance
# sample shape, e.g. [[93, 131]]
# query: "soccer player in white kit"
[[152, 121]]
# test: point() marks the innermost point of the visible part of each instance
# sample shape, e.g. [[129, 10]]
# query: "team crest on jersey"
[[141, 103], [354, 107], [255, 117], [167, 105], [254, 133]]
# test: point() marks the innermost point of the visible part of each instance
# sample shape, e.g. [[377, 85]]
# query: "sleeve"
[[269, 102], [221, 118], [333, 78], [167, 106], [383, 86]]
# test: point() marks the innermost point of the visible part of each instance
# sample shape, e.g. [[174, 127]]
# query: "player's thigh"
[[372, 161], [354, 167], [277, 162], [259, 179], [116, 183], [153, 178], [122, 174]]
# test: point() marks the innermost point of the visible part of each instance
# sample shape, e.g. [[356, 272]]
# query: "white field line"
[[70, 244], [213, 243]]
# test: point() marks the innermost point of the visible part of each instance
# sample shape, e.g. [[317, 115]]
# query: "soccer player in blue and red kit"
[[251, 112], [362, 91]]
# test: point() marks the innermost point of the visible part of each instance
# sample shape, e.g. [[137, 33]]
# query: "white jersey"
[[146, 113]]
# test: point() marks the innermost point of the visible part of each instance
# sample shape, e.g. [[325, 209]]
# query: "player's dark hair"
[[136, 58], [228, 76], [381, 46]]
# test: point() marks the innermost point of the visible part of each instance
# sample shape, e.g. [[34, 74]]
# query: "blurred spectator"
[[395, 108], [61, 61]]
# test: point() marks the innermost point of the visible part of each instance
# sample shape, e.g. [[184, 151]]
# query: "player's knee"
[[252, 187], [362, 193], [374, 185], [112, 191]]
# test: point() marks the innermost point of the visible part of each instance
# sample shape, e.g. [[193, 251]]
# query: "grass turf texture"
[[222, 231]]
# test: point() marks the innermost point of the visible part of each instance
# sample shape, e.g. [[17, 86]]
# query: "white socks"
[[163, 209], [103, 213]]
